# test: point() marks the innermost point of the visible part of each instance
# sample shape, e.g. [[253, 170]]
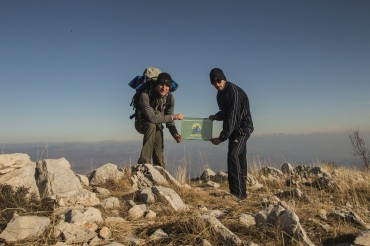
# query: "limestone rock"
[[269, 215], [114, 220], [158, 234], [146, 175], [169, 196], [247, 220], [105, 233], [287, 168], [106, 172], [83, 216], [168, 176], [253, 183], [146, 196], [289, 223], [363, 238], [224, 232], [110, 203], [207, 175], [54, 177], [77, 197], [84, 180], [102, 191], [9, 162], [150, 215], [73, 234], [23, 227], [137, 212], [22, 177], [271, 173]]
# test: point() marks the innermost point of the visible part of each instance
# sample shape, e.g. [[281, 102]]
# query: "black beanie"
[[164, 78], [216, 74]]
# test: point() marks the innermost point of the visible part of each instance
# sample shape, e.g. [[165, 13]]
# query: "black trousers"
[[237, 165]]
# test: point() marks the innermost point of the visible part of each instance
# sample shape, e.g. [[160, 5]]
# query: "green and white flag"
[[196, 128]]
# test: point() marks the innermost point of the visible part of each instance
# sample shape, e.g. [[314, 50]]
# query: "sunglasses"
[[215, 82]]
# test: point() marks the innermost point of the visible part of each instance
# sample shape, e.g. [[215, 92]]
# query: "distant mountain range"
[[197, 155]]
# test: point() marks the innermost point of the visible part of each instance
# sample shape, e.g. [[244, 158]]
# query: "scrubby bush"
[[20, 201], [360, 147]]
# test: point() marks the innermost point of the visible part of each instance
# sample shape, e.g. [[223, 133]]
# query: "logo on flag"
[[196, 128]]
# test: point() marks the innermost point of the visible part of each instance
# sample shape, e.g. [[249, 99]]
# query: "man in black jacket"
[[237, 127], [156, 106]]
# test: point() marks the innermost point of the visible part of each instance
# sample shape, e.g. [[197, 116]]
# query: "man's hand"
[[215, 141], [212, 117], [178, 117], [178, 138]]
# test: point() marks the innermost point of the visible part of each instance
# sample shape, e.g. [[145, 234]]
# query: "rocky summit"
[[46, 203]]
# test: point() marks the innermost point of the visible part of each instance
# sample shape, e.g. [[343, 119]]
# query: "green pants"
[[152, 143]]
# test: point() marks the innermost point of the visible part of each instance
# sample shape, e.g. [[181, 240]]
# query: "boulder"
[[247, 220], [22, 177], [269, 215], [168, 176], [73, 234], [110, 203], [253, 183], [146, 175], [84, 180], [219, 177], [351, 216], [137, 212], [83, 216], [55, 177], [222, 230], [145, 196], [23, 227], [105, 233], [271, 173], [292, 229], [287, 168], [77, 197], [104, 173], [158, 234], [207, 175], [363, 238], [9, 162], [169, 196]]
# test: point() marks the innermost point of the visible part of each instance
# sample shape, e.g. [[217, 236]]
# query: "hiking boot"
[[233, 198]]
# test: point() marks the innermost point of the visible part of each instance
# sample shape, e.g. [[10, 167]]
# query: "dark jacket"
[[157, 109], [234, 112]]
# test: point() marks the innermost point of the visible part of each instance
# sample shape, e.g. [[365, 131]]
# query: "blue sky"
[[65, 65]]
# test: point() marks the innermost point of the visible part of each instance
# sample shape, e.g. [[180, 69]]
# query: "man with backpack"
[[237, 127], [156, 106]]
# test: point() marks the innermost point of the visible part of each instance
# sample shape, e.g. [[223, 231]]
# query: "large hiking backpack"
[[143, 82]]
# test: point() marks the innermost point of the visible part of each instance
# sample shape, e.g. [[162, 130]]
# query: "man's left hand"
[[216, 141], [178, 138]]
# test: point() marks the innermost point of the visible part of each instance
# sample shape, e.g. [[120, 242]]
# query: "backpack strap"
[[135, 101], [169, 99]]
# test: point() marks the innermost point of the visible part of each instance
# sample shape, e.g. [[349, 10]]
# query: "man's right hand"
[[212, 117], [215, 141]]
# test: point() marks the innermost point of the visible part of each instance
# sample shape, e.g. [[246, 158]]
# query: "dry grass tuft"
[[20, 201], [121, 186], [182, 230], [180, 174]]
